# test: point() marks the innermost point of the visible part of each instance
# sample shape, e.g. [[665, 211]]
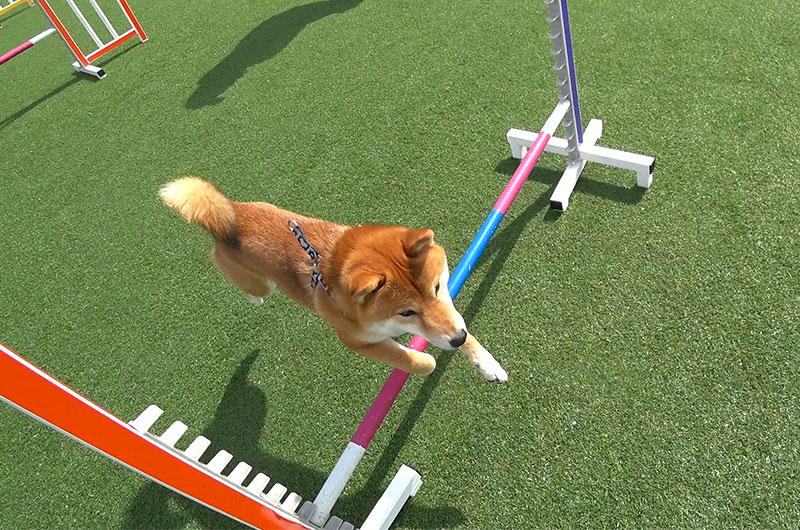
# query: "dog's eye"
[[408, 313], [436, 290]]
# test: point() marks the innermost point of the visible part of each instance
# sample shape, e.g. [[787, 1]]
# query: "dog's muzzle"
[[459, 340]]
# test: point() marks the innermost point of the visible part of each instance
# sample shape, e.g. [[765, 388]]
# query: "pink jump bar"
[[25, 45], [391, 389]]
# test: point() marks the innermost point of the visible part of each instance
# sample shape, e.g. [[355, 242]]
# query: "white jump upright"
[[29, 389], [104, 45], [578, 145]]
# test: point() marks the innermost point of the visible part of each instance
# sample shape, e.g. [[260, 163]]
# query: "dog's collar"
[[316, 275]]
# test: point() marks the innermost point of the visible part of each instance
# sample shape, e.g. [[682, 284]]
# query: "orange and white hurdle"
[[84, 60], [110, 40]]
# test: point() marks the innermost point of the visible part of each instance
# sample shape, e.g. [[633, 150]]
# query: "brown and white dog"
[[377, 281]]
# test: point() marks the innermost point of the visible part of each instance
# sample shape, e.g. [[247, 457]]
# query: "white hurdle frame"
[[578, 145], [45, 399], [84, 60]]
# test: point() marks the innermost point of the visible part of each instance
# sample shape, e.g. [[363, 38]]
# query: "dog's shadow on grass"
[[265, 41], [237, 427]]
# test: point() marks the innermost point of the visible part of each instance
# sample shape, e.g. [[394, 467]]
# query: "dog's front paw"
[[255, 300], [491, 369], [423, 364]]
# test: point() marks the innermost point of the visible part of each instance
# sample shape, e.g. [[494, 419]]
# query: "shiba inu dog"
[[370, 282]]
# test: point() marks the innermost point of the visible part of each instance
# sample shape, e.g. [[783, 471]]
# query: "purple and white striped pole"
[[355, 450], [25, 45]]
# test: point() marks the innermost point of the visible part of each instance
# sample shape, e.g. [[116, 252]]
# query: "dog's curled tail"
[[199, 201]]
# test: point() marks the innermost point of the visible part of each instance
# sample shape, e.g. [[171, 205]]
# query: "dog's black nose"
[[460, 339]]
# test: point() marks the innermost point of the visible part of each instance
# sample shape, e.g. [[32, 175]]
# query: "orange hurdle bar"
[[46, 399]]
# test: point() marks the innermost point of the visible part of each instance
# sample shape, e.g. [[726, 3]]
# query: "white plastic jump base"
[[45, 399], [520, 140]]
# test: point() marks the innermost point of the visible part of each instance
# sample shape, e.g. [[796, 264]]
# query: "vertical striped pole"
[[573, 77], [340, 475]]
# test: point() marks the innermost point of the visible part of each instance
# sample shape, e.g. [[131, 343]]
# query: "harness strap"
[[316, 275]]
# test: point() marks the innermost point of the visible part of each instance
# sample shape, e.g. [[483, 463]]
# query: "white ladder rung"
[[257, 485], [291, 502], [240, 473], [275, 494], [220, 460], [173, 434], [146, 419], [197, 448]]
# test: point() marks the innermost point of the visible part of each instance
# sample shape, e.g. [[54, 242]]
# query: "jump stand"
[[29, 389], [6, 5], [83, 61], [579, 149], [578, 145]]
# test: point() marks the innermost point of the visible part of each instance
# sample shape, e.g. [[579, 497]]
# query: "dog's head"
[[396, 279]]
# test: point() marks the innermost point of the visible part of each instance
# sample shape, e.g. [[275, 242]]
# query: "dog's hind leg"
[[255, 287]]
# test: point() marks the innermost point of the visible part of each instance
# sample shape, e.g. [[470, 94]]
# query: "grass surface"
[[651, 339]]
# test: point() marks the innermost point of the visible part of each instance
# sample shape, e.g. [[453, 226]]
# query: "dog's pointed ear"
[[363, 284], [416, 241]]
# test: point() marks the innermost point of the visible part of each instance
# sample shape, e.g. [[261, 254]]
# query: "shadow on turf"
[[604, 190], [76, 77], [265, 41], [237, 427]]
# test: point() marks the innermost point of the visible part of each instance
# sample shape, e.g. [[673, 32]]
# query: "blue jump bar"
[[473, 253]]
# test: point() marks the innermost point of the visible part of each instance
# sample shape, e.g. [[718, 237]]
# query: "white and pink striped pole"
[[355, 450], [25, 45]]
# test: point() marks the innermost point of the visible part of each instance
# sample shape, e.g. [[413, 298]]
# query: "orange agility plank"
[[29, 389]]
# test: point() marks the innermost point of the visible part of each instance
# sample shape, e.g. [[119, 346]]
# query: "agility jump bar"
[[376, 414], [25, 45]]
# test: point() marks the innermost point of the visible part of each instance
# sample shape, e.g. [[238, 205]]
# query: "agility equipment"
[[104, 45], [6, 6], [26, 45], [114, 39], [579, 149], [578, 145], [29, 389]]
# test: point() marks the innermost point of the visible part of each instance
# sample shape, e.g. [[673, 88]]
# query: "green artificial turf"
[[651, 338]]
